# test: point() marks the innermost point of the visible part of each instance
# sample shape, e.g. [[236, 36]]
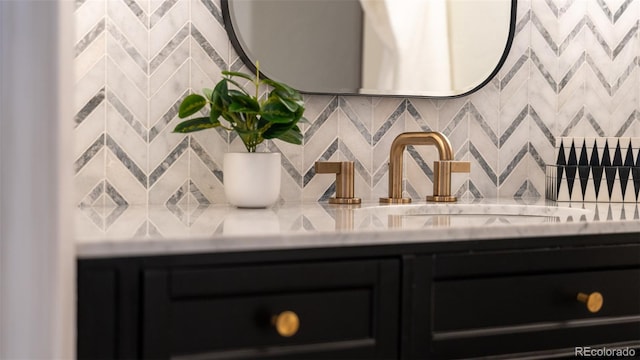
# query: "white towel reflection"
[[251, 222], [400, 49]]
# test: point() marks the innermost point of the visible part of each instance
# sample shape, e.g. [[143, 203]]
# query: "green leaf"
[[230, 119], [243, 103], [292, 105], [214, 115], [239, 86], [292, 136], [253, 121], [191, 105], [241, 108], [244, 132], [220, 96], [286, 90], [238, 74], [196, 124], [276, 112], [275, 130], [208, 93], [233, 92]]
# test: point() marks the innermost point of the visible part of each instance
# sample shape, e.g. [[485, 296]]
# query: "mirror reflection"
[[434, 48]]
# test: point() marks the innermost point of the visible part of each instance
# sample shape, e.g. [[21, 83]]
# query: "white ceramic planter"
[[252, 180]]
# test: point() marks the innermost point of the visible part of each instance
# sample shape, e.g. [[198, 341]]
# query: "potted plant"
[[251, 179]]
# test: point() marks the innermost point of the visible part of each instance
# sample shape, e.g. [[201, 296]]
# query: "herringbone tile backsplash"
[[573, 70]]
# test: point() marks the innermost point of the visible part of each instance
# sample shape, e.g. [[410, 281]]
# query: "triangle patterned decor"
[[595, 170]]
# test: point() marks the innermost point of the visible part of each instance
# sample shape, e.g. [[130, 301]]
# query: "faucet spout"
[[445, 151]]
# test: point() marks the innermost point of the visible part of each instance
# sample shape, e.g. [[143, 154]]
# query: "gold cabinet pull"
[[286, 323], [593, 301]]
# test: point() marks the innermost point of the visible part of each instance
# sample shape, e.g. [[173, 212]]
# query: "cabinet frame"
[[120, 280]]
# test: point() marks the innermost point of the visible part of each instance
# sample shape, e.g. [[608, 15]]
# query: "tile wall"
[[573, 71]]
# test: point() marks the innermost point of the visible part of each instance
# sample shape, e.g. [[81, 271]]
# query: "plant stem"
[[257, 83]]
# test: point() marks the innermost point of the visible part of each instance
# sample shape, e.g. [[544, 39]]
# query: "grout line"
[[148, 125], [106, 102]]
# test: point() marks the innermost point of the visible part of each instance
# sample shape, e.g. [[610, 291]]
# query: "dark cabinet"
[[342, 310], [387, 302], [480, 311]]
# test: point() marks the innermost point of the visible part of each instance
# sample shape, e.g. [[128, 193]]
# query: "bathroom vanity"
[[373, 282]]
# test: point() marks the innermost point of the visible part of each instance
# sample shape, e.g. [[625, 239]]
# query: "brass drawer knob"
[[593, 301], [286, 323]]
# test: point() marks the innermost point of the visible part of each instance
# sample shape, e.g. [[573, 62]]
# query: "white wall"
[[37, 292]]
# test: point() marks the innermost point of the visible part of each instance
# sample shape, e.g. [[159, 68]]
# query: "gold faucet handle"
[[344, 180], [442, 179], [460, 166]]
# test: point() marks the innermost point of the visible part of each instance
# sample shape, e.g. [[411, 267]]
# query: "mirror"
[[428, 48]]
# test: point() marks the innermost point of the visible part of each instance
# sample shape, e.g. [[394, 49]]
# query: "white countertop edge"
[[320, 239]]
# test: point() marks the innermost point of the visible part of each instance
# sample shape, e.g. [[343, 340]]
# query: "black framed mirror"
[[424, 48]]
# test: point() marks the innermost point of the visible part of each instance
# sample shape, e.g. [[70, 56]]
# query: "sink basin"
[[495, 210]]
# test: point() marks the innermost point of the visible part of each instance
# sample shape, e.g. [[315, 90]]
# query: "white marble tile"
[[89, 176], [128, 225], [316, 186], [205, 180], [170, 69], [168, 95], [355, 142], [210, 27], [89, 84], [126, 183], [132, 96], [129, 60], [204, 72], [545, 72], [290, 188], [123, 132], [89, 130], [170, 182], [321, 136], [165, 29], [428, 113], [127, 23], [87, 16], [91, 57]]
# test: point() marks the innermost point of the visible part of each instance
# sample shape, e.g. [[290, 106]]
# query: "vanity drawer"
[[344, 309], [515, 300], [475, 316]]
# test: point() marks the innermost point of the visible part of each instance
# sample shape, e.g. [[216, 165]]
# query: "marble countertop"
[[181, 229]]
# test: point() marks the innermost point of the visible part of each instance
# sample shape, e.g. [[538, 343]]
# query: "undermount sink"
[[501, 210]]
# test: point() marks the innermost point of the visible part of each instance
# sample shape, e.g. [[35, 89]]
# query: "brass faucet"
[[442, 169], [344, 180]]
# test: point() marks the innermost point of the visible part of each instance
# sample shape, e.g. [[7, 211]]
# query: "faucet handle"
[[460, 166], [344, 180], [442, 178]]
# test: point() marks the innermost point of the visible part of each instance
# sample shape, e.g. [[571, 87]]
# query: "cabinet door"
[[97, 314], [514, 303], [108, 309], [340, 310], [513, 314]]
